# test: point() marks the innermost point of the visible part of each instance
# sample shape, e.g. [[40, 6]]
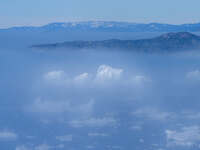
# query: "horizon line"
[[84, 21]]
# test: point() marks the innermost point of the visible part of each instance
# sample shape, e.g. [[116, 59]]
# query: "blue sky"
[[37, 12]]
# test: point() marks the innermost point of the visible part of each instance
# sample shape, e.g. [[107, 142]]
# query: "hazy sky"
[[37, 12]]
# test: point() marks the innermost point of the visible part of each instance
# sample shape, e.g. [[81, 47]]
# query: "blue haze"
[[149, 101]]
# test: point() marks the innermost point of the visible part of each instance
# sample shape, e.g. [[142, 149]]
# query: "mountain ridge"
[[165, 42], [111, 26]]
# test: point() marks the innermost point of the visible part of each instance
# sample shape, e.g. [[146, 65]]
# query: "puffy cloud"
[[193, 75], [65, 138], [60, 78], [106, 72], [93, 122], [153, 114], [186, 136], [81, 77], [7, 135]]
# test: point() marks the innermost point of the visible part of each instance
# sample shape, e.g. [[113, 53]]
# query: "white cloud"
[[153, 114], [97, 134], [65, 138], [54, 75], [7, 135], [82, 77], [93, 122], [106, 72], [186, 136], [193, 75], [61, 77]]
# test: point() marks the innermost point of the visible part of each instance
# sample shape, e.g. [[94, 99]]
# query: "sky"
[[39, 12]]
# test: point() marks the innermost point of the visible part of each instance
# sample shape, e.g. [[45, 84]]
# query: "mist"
[[98, 99]]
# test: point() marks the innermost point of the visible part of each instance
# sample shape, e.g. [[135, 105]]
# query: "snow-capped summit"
[[114, 26]]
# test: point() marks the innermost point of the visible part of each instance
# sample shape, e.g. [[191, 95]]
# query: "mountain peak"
[[178, 35]]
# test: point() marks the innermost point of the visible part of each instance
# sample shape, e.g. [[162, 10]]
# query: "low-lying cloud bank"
[[102, 100]]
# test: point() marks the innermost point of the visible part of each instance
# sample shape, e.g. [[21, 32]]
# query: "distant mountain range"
[[110, 26], [164, 43]]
